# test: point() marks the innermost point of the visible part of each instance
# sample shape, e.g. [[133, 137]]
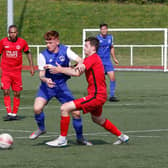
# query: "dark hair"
[[93, 42], [103, 24], [51, 35], [12, 26]]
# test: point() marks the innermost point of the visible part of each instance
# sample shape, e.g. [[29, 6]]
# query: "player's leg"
[[39, 116], [111, 76], [64, 95], [7, 103], [16, 103], [66, 108], [16, 87], [5, 86], [109, 69], [109, 126], [78, 126]]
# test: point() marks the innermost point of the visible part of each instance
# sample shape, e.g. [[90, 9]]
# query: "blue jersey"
[[53, 58], [61, 90], [105, 44]]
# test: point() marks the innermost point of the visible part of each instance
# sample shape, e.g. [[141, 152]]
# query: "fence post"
[[165, 50], [131, 55]]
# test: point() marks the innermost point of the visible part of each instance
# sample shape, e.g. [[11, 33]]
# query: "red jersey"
[[95, 76], [12, 53]]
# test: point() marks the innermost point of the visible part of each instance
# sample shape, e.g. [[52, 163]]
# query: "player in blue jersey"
[[54, 85], [105, 51]]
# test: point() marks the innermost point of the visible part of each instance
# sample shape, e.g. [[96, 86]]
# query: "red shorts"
[[90, 104], [11, 79]]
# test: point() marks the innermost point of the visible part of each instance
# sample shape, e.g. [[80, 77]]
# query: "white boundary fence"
[[163, 46], [131, 47], [116, 46], [131, 61]]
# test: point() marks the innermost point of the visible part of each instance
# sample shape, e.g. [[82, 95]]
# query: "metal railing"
[[116, 46]]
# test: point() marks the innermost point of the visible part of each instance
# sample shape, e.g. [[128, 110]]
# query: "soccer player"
[[93, 102], [11, 49], [54, 85], [106, 49]]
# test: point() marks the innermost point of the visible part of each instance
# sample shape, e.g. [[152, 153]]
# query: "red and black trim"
[[94, 79], [27, 52]]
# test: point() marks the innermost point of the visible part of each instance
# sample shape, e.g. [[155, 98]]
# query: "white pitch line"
[[91, 134], [141, 136], [133, 131], [51, 134], [143, 131], [111, 105]]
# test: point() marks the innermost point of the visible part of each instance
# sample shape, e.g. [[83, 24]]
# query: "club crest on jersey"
[[62, 58], [50, 60], [109, 41], [18, 47], [6, 46], [100, 41]]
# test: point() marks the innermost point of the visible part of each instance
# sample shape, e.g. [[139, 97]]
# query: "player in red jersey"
[[11, 49], [93, 102]]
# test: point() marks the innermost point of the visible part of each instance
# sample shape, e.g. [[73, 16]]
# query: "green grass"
[[143, 95], [143, 106], [34, 18]]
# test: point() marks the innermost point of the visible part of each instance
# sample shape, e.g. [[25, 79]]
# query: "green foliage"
[[96, 0], [143, 1]]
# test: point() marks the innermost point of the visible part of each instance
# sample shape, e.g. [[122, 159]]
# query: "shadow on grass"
[[72, 143], [94, 142], [21, 20], [43, 144], [18, 118]]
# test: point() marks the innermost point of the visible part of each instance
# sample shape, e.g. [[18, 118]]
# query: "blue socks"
[[112, 88], [77, 124], [40, 120]]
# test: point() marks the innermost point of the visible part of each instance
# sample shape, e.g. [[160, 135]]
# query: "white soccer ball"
[[6, 141]]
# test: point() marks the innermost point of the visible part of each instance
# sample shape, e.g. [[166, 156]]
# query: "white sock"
[[63, 138]]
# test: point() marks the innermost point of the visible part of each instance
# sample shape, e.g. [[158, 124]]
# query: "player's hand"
[[48, 66], [55, 69], [50, 83], [32, 70], [80, 67], [116, 61]]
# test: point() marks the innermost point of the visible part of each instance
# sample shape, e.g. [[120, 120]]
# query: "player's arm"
[[41, 64], [70, 71], [112, 51], [48, 81], [0, 67], [29, 57], [113, 55], [1, 49], [73, 56]]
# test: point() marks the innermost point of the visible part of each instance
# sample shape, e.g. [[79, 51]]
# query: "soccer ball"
[[6, 141]]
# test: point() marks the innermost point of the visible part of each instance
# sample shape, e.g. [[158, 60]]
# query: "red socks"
[[64, 125], [7, 102], [16, 103], [111, 128]]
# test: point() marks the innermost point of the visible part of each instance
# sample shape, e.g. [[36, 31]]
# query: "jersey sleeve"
[[1, 47], [71, 55], [41, 62], [88, 63], [26, 47]]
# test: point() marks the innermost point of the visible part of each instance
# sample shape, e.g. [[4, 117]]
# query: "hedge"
[[130, 1]]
